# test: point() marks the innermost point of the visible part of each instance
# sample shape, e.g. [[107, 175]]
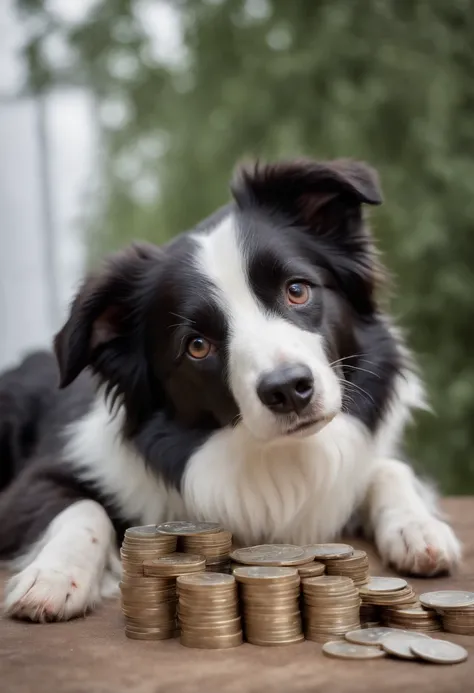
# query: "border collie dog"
[[243, 373]]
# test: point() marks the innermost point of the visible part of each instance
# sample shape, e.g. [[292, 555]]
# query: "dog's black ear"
[[302, 189], [103, 310]]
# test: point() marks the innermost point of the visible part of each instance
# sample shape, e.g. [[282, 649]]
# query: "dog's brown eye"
[[297, 293], [199, 348]]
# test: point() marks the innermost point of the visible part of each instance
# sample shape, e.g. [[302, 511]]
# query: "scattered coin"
[[184, 529], [347, 650], [272, 555], [372, 636], [399, 644], [447, 599], [438, 651], [328, 551]]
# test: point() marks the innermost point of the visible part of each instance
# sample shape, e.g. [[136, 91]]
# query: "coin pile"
[[148, 604], [277, 555], [330, 607], [208, 611], [413, 618], [214, 546], [388, 593], [456, 608], [355, 566], [270, 604], [378, 642], [143, 543], [174, 565]]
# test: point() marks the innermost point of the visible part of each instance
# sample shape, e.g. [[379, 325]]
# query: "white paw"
[[42, 593], [419, 545]]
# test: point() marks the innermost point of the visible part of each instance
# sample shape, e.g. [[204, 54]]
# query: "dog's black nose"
[[286, 389]]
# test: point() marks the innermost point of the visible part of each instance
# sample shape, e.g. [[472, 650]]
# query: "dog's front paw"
[[41, 593], [417, 545]]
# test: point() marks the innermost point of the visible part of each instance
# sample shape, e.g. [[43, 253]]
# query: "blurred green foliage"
[[388, 81]]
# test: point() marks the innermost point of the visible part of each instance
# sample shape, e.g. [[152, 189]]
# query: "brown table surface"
[[93, 655]]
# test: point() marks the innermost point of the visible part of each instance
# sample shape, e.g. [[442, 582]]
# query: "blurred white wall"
[[36, 284]]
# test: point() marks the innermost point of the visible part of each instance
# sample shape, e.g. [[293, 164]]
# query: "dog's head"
[[241, 320]]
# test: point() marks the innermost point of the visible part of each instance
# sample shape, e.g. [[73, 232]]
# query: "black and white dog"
[[243, 373]]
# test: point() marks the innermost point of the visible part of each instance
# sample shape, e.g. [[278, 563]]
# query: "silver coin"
[[445, 599], [399, 645], [329, 550], [187, 528], [347, 650], [438, 651], [271, 554], [384, 584], [372, 636]]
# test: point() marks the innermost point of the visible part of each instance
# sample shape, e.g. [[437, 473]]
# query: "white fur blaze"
[[407, 532], [64, 573]]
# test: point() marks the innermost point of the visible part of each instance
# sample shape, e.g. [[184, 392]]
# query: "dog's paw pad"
[[419, 546], [44, 594]]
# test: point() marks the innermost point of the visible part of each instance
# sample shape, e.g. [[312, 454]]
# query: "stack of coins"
[[214, 546], [456, 608], [387, 592], [148, 604], [174, 565], [330, 607], [314, 569], [370, 615], [277, 555], [270, 604], [181, 528], [208, 611], [329, 552], [355, 566], [415, 618], [141, 544]]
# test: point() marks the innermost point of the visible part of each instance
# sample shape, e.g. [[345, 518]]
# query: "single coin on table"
[[399, 644], [383, 584], [373, 636], [187, 528], [447, 599], [323, 551], [438, 651], [272, 555], [348, 650]]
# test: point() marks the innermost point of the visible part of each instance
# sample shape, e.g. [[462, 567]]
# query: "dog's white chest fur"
[[295, 491]]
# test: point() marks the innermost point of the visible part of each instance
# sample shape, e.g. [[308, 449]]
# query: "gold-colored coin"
[[206, 581], [256, 575], [313, 569], [173, 565], [220, 642]]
